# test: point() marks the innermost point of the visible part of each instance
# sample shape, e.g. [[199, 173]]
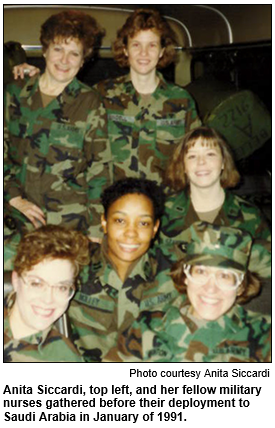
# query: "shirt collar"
[[34, 339], [162, 82], [232, 320], [129, 87], [68, 95]]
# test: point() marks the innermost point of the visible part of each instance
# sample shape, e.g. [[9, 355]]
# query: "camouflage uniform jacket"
[[46, 346], [104, 305], [238, 336], [57, 156], [143, 130], [235, 212]]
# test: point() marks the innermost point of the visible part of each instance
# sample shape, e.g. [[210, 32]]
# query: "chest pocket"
[[66, 135], [96, 312], [121, 134], [157, 302], [169, 131], [65, 149]]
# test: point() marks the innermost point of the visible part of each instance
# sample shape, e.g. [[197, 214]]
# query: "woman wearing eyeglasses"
[[43, 280], [210, 325]]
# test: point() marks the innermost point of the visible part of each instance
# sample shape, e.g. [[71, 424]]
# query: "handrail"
[[230, 33]]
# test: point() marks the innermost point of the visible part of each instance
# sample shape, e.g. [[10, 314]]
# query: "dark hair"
[[134, 186], [51, 242], [249, 288], [72, 23], [175, 176], [140, 20]]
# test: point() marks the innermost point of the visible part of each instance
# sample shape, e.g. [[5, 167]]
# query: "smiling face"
[[130, 227], [208, 301], [63, 60], [144, 51], [33, 311], [203, 164]]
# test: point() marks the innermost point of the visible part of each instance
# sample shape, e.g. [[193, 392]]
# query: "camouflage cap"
[[214, 245]]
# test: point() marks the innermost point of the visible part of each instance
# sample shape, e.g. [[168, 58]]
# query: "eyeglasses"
[[61, 292], [225, 279]]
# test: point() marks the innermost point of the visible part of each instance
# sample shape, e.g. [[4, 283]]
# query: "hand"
[[18, 70], [30, 210]]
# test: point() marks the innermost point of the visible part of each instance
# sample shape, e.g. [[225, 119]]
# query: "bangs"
[[205, 142]]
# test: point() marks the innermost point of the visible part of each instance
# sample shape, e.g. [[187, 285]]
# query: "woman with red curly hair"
[[45, 267], [55, 137], [147, 116]]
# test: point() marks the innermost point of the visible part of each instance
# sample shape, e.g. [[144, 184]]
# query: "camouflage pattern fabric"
[[235, 212], [219, 246], [238, 336], [143, 130], [46, 346], [104, 305], [57, 156]]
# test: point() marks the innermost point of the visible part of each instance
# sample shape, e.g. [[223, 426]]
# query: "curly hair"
[[175, 176], [51, 242], [248, 289], [134, 186], [72, 23], [142, 20]]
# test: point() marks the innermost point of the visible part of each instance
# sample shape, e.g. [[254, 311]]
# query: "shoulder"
[[234, 201], [92, 270], [109, 84], [174, 90], [16, 87], [176, 200], [79, 89], [83, 86], [59, 348], [256, 317], [168, 251], [260, 323]]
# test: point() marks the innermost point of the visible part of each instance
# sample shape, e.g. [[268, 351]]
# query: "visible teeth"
[[42, 311], [129, 246], [209, 300]]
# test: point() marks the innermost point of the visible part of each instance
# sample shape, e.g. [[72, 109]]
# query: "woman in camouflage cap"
[[210, 325], [206, 323]]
